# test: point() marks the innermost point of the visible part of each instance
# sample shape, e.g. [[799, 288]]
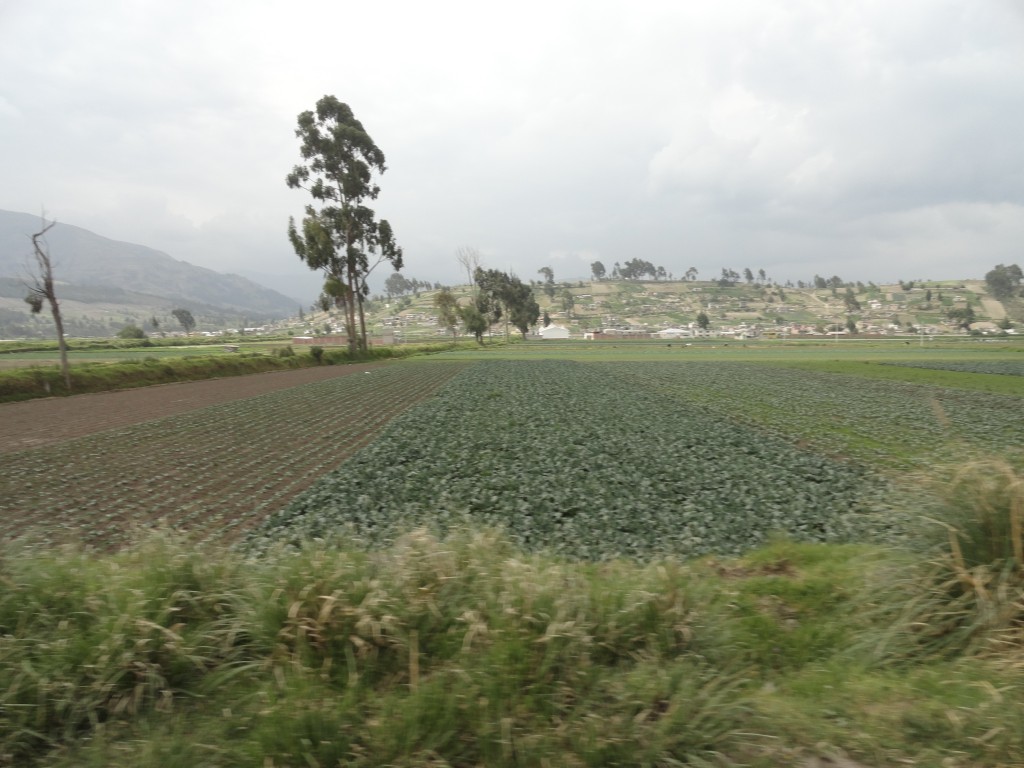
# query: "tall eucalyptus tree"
[[339, 232]]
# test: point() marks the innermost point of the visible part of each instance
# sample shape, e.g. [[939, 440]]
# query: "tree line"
[[496, 296]]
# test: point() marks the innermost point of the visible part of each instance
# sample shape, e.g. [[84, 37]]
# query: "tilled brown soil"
[[35, 423], [211, 459]]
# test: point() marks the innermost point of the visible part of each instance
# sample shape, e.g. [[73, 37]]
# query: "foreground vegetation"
[[468, 652]]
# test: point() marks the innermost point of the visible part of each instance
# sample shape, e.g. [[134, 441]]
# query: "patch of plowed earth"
[[36, 423], [213, 471]]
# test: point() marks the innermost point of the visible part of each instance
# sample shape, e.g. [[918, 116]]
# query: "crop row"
[[1002, 367], [215, 471], [584, 459], [891, 424]]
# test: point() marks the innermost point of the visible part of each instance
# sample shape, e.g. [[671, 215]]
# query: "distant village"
[[615, 310]]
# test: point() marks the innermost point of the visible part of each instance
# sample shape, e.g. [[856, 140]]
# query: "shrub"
[[131, 331], [317, 353], [337, 356]]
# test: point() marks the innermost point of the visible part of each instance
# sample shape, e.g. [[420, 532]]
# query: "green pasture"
[[889, 359], [761, 349], [75, 356]]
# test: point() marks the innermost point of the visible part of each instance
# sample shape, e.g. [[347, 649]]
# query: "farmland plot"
[[891, 424], [1000, 367], [214, 471], [587, 460]]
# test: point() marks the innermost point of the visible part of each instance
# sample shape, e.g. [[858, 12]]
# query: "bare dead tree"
[[469, 258], [41, 290]]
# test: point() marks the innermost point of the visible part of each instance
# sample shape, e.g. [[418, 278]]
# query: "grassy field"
[[34, 374], [560, 554], [26, 359], [888, 359]]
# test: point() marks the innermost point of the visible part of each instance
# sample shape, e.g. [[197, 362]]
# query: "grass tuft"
[[967, 597]]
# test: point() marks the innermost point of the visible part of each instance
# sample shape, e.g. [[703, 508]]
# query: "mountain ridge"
[[85, 258]]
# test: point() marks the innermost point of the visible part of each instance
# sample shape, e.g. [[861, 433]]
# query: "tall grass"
[[968, 596], [984, 515], [467, 652], [462, 652]]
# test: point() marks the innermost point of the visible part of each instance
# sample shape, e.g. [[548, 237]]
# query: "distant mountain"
[[301, 285], [85, 259]]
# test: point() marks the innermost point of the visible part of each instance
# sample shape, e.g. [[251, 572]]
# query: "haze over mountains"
[[95, 269]]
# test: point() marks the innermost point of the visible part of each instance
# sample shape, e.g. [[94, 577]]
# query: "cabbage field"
[[1000, 367], [599, 459]]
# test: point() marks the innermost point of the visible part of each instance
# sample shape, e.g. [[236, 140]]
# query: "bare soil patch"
[[209, 458], [35, 423]]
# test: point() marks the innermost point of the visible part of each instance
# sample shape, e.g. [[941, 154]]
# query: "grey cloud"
[[800, 137]]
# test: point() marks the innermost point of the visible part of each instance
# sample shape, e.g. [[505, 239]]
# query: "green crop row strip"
[[892, 425], [999, 367]]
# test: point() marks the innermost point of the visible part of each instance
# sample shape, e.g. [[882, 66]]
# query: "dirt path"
[[35, 423], [993, 308]]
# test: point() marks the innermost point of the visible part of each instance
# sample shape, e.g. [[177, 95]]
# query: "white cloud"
[[810, 136]]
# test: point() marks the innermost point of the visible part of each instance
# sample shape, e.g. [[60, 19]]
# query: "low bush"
[[46, 381]]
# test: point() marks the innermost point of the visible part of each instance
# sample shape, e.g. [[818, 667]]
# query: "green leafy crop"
[[576, 459]]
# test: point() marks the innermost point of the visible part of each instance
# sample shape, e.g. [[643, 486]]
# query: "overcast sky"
[[873, 139]]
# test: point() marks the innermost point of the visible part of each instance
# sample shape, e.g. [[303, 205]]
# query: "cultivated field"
[[685, 456], [214, 471], [592, 450]]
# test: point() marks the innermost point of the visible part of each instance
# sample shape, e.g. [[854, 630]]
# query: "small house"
[[673, 333], [554, 332]]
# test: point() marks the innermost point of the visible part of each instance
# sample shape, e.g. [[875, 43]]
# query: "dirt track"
[[993, 308], [35, 423]]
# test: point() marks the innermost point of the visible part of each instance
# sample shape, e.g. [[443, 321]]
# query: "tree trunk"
[[350, 315], [44, 288], [61, 342], [351, 284], [362, 323]]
